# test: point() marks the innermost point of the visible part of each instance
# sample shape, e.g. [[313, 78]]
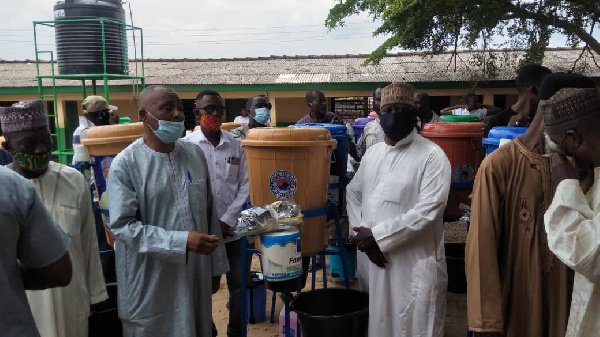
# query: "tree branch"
[[558, 23], [594, 58], [586, 47], [454, 53]]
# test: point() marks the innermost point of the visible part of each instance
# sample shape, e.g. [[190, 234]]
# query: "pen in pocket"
[[189, 176]]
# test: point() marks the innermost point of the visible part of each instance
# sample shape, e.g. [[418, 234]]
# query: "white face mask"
[[552, 147], [168, 132]]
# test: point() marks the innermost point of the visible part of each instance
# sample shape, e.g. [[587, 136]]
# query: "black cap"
[[552, 83]]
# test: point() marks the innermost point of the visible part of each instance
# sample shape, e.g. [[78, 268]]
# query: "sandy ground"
[[455, 312]]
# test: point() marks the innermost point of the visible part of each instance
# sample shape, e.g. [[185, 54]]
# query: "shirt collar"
[[407, 140], [85, 122], [200, 137]]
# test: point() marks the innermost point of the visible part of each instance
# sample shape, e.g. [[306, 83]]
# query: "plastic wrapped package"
[[279, 215]]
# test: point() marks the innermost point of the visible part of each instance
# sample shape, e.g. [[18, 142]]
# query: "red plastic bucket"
[[462, 144]]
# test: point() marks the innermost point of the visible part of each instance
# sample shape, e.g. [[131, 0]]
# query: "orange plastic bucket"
[[462, 144], [230, 126], [109, 140], [292, 164]]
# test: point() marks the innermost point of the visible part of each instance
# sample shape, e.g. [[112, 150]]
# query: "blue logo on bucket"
[[283, 184], [464, 174]]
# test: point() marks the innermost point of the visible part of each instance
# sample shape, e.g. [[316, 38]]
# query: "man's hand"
[[227, 230], [564, 168], [519, 120], [376, 256], [364, 238], [201, 243]]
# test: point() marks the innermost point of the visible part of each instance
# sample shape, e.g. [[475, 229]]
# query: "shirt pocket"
[[396, 188], [68, 217], [232, 173]]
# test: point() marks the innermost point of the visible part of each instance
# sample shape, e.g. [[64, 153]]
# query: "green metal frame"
[[62, 151]]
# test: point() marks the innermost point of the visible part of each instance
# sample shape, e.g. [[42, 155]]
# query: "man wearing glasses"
[[229, 187], [260, 113]]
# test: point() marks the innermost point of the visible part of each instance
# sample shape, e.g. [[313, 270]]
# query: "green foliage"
[[439, 25]]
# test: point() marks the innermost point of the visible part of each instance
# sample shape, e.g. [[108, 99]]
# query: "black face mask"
[[398, 125]]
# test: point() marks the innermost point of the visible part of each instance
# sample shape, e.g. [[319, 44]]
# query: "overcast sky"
[[208, 29]]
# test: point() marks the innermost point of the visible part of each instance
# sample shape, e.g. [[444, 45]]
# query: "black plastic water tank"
[[79, 44]]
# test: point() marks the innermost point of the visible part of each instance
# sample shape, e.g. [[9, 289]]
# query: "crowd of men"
[[532, 253]]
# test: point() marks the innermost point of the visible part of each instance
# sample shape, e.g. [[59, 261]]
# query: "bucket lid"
[[460, 118], [506, 132], [451, 130], [304, 136], [336, 130], [124, 120], [284, 232], [491, 141], [116, 133], [361, 122]]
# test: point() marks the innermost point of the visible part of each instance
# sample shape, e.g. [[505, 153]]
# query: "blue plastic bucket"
[[359, 126], [339, 160], [335, 262], [257, 300], [340, 134], [501, 132]]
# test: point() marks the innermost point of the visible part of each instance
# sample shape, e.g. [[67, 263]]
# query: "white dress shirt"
[[241, 120], [228, 174], [79, 133], [573, 226], [481, 112]]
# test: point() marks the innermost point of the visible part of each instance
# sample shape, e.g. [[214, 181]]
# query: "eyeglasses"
[[210, 109]]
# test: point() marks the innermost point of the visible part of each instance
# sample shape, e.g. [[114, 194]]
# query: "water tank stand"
[[49, 91]]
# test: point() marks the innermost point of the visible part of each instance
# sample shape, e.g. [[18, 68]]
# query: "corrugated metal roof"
[[303, 78], [409, 67]]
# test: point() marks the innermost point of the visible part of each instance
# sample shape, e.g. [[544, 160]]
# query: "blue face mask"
[[168, 132], [262, 115]]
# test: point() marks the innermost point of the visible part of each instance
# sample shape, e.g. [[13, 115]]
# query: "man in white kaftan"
[[64, 312], [399, 194], [168, 238], [60, 312], [572, 221], [573, 227]]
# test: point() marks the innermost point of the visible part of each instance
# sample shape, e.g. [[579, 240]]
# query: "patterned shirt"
[[372, 134], [573, 226]]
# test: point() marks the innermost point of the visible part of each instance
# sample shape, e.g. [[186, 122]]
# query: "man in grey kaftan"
[[158, 202]]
